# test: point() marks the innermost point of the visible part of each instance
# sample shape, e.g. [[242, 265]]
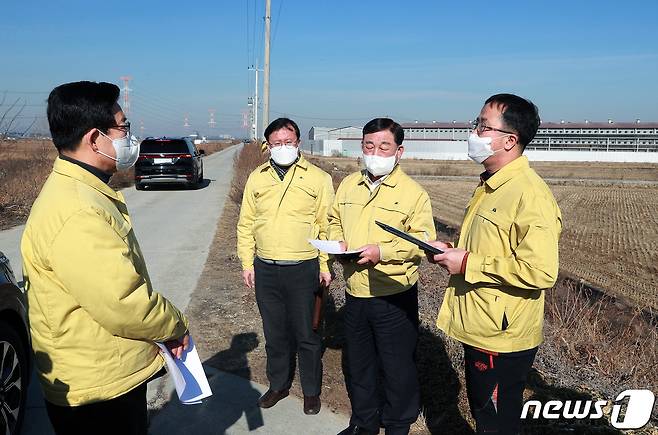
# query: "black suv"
[[14, 350], [168, 160]]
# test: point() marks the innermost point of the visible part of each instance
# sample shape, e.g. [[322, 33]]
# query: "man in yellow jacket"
[[285, 204], [94, 316], [381, 303], [506, 257]]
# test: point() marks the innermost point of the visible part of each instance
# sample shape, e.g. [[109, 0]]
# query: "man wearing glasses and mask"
[[94, 316], [284, 204], [506, 257], [381, 303]]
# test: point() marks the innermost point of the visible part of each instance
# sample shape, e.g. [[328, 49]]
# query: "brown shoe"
[[312, 405], [271, 397]]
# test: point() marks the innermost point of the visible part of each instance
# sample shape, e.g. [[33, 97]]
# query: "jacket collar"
[[508, 172], [105, 178], [301, 162], [390, 180], [76, 172]]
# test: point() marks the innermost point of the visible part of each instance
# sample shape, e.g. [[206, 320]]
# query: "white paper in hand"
[[188, 375], [330, 247]]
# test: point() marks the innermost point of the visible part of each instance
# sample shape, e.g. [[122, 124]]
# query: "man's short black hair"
[[280, 123], [381, 124], [75, 108], [519, 114]]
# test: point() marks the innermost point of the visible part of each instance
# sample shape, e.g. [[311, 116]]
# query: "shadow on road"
[[172, 187], [233, 396]]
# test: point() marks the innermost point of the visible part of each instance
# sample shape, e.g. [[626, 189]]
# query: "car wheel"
[[13, 379], [139, 186]]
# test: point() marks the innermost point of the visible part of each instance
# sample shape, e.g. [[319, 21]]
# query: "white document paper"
[[330, 247], [188, 375]]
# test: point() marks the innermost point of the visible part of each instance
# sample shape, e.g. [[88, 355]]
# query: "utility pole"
[[266, 77], [255, 102]]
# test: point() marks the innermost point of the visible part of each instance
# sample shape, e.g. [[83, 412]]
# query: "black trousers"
[[285, 297], [381, 334], [494, 386], [126, 415]]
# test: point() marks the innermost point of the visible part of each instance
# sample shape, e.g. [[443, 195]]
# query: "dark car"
[[168, 161], [14, 350]]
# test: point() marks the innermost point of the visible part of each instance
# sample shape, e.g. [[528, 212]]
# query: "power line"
[[156, 100], [143, 111], [261, 37], [276, 22], [253, 39], [167, 105], [320, 118], [30, 117], [26, 105], [23, 92], [247, 39]]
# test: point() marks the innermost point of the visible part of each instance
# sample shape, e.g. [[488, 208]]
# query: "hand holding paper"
[[178, 345], [334, 247], [187, 373]]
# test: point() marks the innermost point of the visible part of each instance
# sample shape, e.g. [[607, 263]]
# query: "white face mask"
[[126, 149], [479, 148], [284, 155], [378, 165]]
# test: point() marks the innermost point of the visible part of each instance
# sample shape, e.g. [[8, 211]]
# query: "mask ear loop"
[[97, 151], [515, 144], [397, 159]]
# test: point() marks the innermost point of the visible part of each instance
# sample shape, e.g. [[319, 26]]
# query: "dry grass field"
[[552, 170], [610, 234], [24, 167], [609, 239]]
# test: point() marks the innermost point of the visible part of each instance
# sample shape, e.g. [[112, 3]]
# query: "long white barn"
[[562, 141]]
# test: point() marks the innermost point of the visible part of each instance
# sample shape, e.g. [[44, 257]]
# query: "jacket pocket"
[[492, 230], [300, 203], [303, 190], [488, 310], [350, 213], [390, 216], [501, 221]]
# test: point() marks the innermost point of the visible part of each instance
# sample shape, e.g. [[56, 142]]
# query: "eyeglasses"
[[123, 127], [481, 128], [287, 143]]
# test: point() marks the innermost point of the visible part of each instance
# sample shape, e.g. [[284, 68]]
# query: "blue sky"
[[337, 63]]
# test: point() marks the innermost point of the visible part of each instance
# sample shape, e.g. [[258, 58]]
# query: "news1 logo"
[[637, 412]]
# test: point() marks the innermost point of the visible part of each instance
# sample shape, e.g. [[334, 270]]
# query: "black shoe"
[[312, 405], [271, 398], [356, 430]]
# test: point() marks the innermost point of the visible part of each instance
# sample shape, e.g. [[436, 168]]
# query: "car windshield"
[[166, 146]]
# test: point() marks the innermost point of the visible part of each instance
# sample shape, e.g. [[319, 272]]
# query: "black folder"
[[422, 245]]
